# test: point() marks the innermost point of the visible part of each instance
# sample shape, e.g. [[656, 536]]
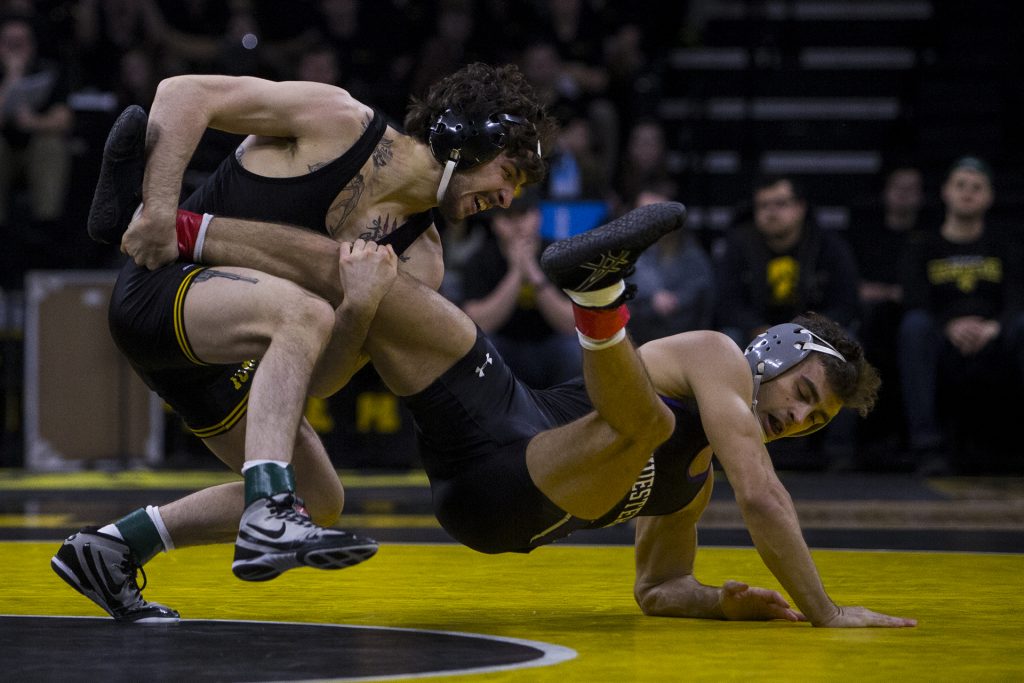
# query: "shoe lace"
[[285, 510], [131, 571]]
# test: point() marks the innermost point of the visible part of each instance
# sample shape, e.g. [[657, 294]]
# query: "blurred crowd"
[[935, 296]]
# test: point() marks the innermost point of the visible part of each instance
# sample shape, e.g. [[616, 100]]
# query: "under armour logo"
[[609, 263], [487, 361]]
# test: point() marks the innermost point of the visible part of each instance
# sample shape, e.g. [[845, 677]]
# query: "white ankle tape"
[[249, 464], [161, 528], [197, 253], [598, 297], [598, 344]]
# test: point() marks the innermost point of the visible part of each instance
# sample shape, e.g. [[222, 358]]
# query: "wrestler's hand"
[[740, 602], [151, 239], [367, 272], [856, 617]]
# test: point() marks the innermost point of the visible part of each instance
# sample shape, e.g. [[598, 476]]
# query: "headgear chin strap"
[[461, 141], [779, 348]]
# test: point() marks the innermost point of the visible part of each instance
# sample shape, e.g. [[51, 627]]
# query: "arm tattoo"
[[344, 204], [239, 153], [209, 274]]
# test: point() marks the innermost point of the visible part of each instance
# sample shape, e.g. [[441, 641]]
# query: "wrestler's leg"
[[583, 467], [588, 465], [416, 336], [302, 256], [231, 315], [211, 515], [307, 258]]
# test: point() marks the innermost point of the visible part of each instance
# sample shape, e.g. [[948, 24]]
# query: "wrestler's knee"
[[304, 316], [326, 510], [657, 429], [323, 496]]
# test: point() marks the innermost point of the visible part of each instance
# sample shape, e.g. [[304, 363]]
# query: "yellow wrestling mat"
[[969, 606]]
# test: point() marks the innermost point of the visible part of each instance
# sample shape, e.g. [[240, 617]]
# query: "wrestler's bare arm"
[[711, 368], [308, 115], [666, 586]]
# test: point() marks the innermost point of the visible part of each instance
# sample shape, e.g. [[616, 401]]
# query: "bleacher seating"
[[829, 91]]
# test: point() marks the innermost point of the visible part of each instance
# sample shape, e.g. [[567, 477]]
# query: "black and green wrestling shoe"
[[276, 534], [102, 568]]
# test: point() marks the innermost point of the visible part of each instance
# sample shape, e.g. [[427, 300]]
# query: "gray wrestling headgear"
[[779, 348]]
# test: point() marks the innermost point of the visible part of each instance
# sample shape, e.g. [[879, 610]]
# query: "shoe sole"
[[120, 181], [623, 238], [269, 566]]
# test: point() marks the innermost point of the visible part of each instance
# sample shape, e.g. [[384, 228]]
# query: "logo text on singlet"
[[638, 495], [243, 373]]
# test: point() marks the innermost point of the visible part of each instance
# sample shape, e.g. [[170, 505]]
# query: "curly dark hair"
[[481, 88], [856, 381]]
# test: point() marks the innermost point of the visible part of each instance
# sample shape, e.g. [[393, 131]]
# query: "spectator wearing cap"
[[963, 330], [529, 320]]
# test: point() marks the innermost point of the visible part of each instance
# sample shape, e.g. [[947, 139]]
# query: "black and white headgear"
[[462, 140]]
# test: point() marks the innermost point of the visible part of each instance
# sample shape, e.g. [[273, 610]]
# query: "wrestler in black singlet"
[[474, 423], [146, 306]]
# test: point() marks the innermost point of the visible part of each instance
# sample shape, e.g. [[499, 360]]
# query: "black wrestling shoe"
[[599, 258], [102, 568], [275, 535], [119, 188]]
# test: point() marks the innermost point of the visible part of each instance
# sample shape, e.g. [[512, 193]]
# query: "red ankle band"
[[600, 323], [187, 226]]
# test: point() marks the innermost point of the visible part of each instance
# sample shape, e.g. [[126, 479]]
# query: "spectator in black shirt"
[[783, 264], [964, 295]]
